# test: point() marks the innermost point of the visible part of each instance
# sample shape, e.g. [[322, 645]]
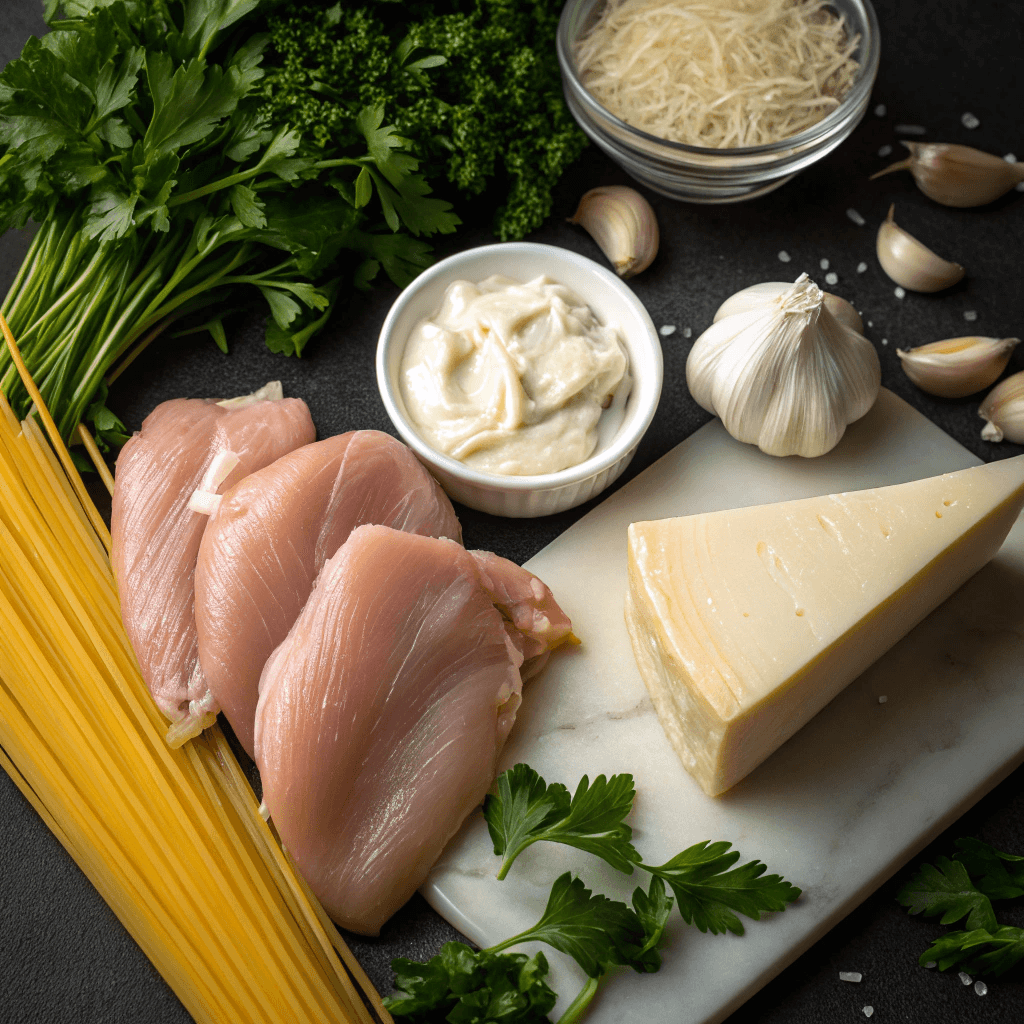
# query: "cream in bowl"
[[514, 377], [522, 375]]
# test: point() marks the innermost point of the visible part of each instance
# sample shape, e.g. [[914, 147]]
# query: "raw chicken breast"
[[156, 536], [269, 539], [382, 714]]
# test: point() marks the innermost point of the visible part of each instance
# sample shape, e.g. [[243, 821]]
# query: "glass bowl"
[[700, 175]]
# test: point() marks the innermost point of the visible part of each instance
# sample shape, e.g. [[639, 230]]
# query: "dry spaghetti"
[[172, 839]]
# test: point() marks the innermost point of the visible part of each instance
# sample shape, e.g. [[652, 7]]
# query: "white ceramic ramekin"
[[611, 299]]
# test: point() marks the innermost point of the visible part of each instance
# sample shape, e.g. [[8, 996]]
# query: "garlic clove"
[[1003, 411], [787, 375], [957, 175], [910, 263], [623, 224], [758, 294], [957, 367]]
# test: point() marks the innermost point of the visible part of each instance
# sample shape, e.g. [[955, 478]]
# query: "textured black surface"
[[63, 955]]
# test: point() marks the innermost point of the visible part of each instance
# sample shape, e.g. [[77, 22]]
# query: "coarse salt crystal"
[[855, 217], [965, 978], [871, 323], [880, 110], [969, 120], [900, 293], [885, 341], [911, 129], [882, 699], [666, 329], [687, 332], [931, 965], [981, 988], [823, 264], [868, 1010], [1010, 158], [784, 256], [970, 314], [861, 267], [832, 278], [885, 150], [850, 976]]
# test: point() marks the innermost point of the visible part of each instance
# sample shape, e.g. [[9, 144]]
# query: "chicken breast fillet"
[[156, 536], [382, 714], [270, 537]]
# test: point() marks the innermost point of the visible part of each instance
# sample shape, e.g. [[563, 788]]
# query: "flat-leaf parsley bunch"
[[463, 986]]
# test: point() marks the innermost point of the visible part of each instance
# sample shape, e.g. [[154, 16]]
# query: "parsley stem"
[[578, 1006]]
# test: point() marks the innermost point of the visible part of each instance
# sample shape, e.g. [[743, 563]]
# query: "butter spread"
[[515, 378]]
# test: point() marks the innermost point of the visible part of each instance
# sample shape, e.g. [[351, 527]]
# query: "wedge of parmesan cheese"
[[746, 623]]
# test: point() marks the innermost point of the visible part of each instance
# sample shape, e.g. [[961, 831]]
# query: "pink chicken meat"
[[156, 535], [382, 714], [270, 537]]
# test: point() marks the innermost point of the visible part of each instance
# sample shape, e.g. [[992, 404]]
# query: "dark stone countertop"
[[64, 956]]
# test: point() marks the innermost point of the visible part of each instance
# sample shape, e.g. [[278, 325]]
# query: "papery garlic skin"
[[623, 224], [910, 263], [957, 367], [787, 375], [957, 175], [1003, 409], [758, 294]]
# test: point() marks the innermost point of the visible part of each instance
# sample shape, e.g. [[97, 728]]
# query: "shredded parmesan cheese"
[[718, 73]]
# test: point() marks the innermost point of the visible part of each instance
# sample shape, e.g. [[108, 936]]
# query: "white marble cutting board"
[[836, 810]]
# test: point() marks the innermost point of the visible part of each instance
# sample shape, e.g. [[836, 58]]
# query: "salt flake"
[[823, 264], [965, 978], [969, 121], [832, 278], [784, 256], [899, 292], [880, 110], [911, 129], [666, 329], [868, 1011], [850, 976], [931, 965], [687, 332], [970, 314], [861, 267], [1010, 158], [981, 988], [855, 216], [882, 699], [885, 341], [885, 150]]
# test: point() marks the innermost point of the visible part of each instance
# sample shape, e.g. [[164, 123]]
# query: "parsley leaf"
[[462, 985], [980, 951], [1000, 876], [525, 810], [708, 892], [945, 888]]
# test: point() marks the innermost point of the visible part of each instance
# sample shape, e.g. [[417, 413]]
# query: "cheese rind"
[[746, 623]]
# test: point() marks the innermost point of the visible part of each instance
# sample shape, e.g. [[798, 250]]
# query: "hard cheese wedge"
[[746, 623]]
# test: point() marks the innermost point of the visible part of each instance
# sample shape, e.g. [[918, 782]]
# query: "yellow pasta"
[[172, 839]]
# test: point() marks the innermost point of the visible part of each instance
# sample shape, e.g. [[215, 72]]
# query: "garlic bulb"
[[623, 224], [957, 175], [1003, 409], [910, 263], [787, 375], [757, 294], [957, 367]]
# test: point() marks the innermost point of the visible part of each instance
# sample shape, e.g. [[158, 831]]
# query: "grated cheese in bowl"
[[719, 74]]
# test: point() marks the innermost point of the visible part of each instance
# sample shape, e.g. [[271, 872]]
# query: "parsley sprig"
[[463, 986], [964, 888]]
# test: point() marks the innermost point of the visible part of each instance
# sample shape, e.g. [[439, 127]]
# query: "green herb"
[[135, 135], [708, 892], [597, 932], [525, 810], [488, 118], [965, 888]]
